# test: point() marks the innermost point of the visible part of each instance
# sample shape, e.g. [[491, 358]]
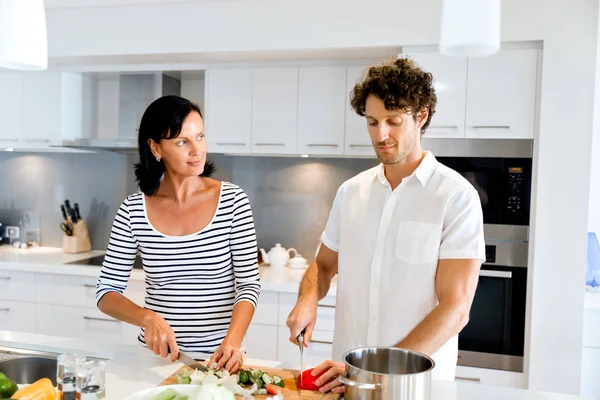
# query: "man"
[[405, 237]]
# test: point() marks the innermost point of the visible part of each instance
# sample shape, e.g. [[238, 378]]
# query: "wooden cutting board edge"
[[289, 378]]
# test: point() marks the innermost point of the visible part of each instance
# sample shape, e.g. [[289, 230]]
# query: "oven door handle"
[[495, 274]]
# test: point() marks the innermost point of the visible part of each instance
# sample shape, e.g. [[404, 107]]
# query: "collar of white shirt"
[[422, 173]]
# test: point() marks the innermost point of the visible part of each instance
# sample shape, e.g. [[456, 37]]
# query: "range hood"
[[113, 145], [119, 101]]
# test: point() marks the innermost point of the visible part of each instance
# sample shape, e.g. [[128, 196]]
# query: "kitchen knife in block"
[[79, 242]]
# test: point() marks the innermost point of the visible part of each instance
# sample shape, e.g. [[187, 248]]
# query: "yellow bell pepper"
[[39, 390]]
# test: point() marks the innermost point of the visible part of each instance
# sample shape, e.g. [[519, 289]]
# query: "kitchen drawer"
[[325, 312], [261, 342], [17, 316], [267, 308], [319, 350], [83, 323], [17, 285], [490, 377], [78, 291], [590, 371], [591, 328]]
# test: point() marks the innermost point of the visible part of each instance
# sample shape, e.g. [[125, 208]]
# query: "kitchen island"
[[131, 368]]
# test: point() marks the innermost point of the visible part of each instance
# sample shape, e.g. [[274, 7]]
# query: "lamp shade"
[[23, 39], [470, 28]]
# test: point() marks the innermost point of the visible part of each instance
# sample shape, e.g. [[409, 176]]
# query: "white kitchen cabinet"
[[17, 285], [266, 309], [41, 110], [320, 349], [228, 121], [11, 93], [274, 110], [501, 95], [17, 316], [450, 82], [321, 110], [261, 341], [80, 322], [357, 141]]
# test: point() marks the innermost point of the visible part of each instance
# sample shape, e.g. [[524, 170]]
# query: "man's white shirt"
[[389, 244]]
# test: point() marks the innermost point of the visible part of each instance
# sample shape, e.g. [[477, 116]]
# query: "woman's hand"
[[228, 356], [159, 336], [329, 380]]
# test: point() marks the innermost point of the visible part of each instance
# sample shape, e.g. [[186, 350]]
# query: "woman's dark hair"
[[401, 84], [162, 120]]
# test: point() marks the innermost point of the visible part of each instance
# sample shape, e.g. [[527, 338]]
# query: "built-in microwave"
[[503, 184]]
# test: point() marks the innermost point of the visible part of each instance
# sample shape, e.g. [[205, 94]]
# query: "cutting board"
[[290, 391]]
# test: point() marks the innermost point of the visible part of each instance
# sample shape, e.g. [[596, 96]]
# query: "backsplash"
[[39, 183], [290, 196]]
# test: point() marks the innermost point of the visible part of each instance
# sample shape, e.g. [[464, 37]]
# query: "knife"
[[190, 362], [77, 213], [64, 212], [73, 216], [301, 346]]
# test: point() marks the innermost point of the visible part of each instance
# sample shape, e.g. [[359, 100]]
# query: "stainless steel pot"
[[382, 373]]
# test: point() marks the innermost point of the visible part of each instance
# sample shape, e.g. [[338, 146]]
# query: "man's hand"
[[302, 318], [329, 380]]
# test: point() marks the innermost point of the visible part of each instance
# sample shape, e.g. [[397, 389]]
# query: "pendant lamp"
[[23, 40], [470, 28]]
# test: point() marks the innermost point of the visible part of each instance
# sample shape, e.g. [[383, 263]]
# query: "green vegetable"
[[278, 381], [168, 394], [7, 386], [266, 378], [184, 378], [244, 379], [261, 391], [181, 397]]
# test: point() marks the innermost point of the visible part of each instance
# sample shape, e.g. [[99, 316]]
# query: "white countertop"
[[132, 368], [53, 260]]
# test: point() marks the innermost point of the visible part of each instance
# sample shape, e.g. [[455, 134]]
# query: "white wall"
[[569, 32], [594, 217]]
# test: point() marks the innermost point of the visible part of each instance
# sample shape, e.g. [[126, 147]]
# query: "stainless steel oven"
[[495, 334]]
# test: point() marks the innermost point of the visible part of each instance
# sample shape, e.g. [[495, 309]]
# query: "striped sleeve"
[[244, 250], [120, 255]]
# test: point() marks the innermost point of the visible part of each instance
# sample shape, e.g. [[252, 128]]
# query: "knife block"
[[80, 241]]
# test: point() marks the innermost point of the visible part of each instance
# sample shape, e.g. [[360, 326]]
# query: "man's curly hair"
[[401, 84]]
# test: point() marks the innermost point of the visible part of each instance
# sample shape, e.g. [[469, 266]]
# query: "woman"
[[197, 241]]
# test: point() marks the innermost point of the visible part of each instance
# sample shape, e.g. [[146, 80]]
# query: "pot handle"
[[359, 385]]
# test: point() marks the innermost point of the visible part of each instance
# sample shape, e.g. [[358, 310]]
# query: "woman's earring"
[[158, 159]]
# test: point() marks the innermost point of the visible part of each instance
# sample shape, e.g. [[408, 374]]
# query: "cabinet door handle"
[[461, 378], [101, 319], [269, 144], [231, 144], [491, 127], [361, 145], [321, 145], [5, 278], [496, 274], [5, 309], [454, 127], [37, 140], [325, 306], [87, 285], [320, 342]]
